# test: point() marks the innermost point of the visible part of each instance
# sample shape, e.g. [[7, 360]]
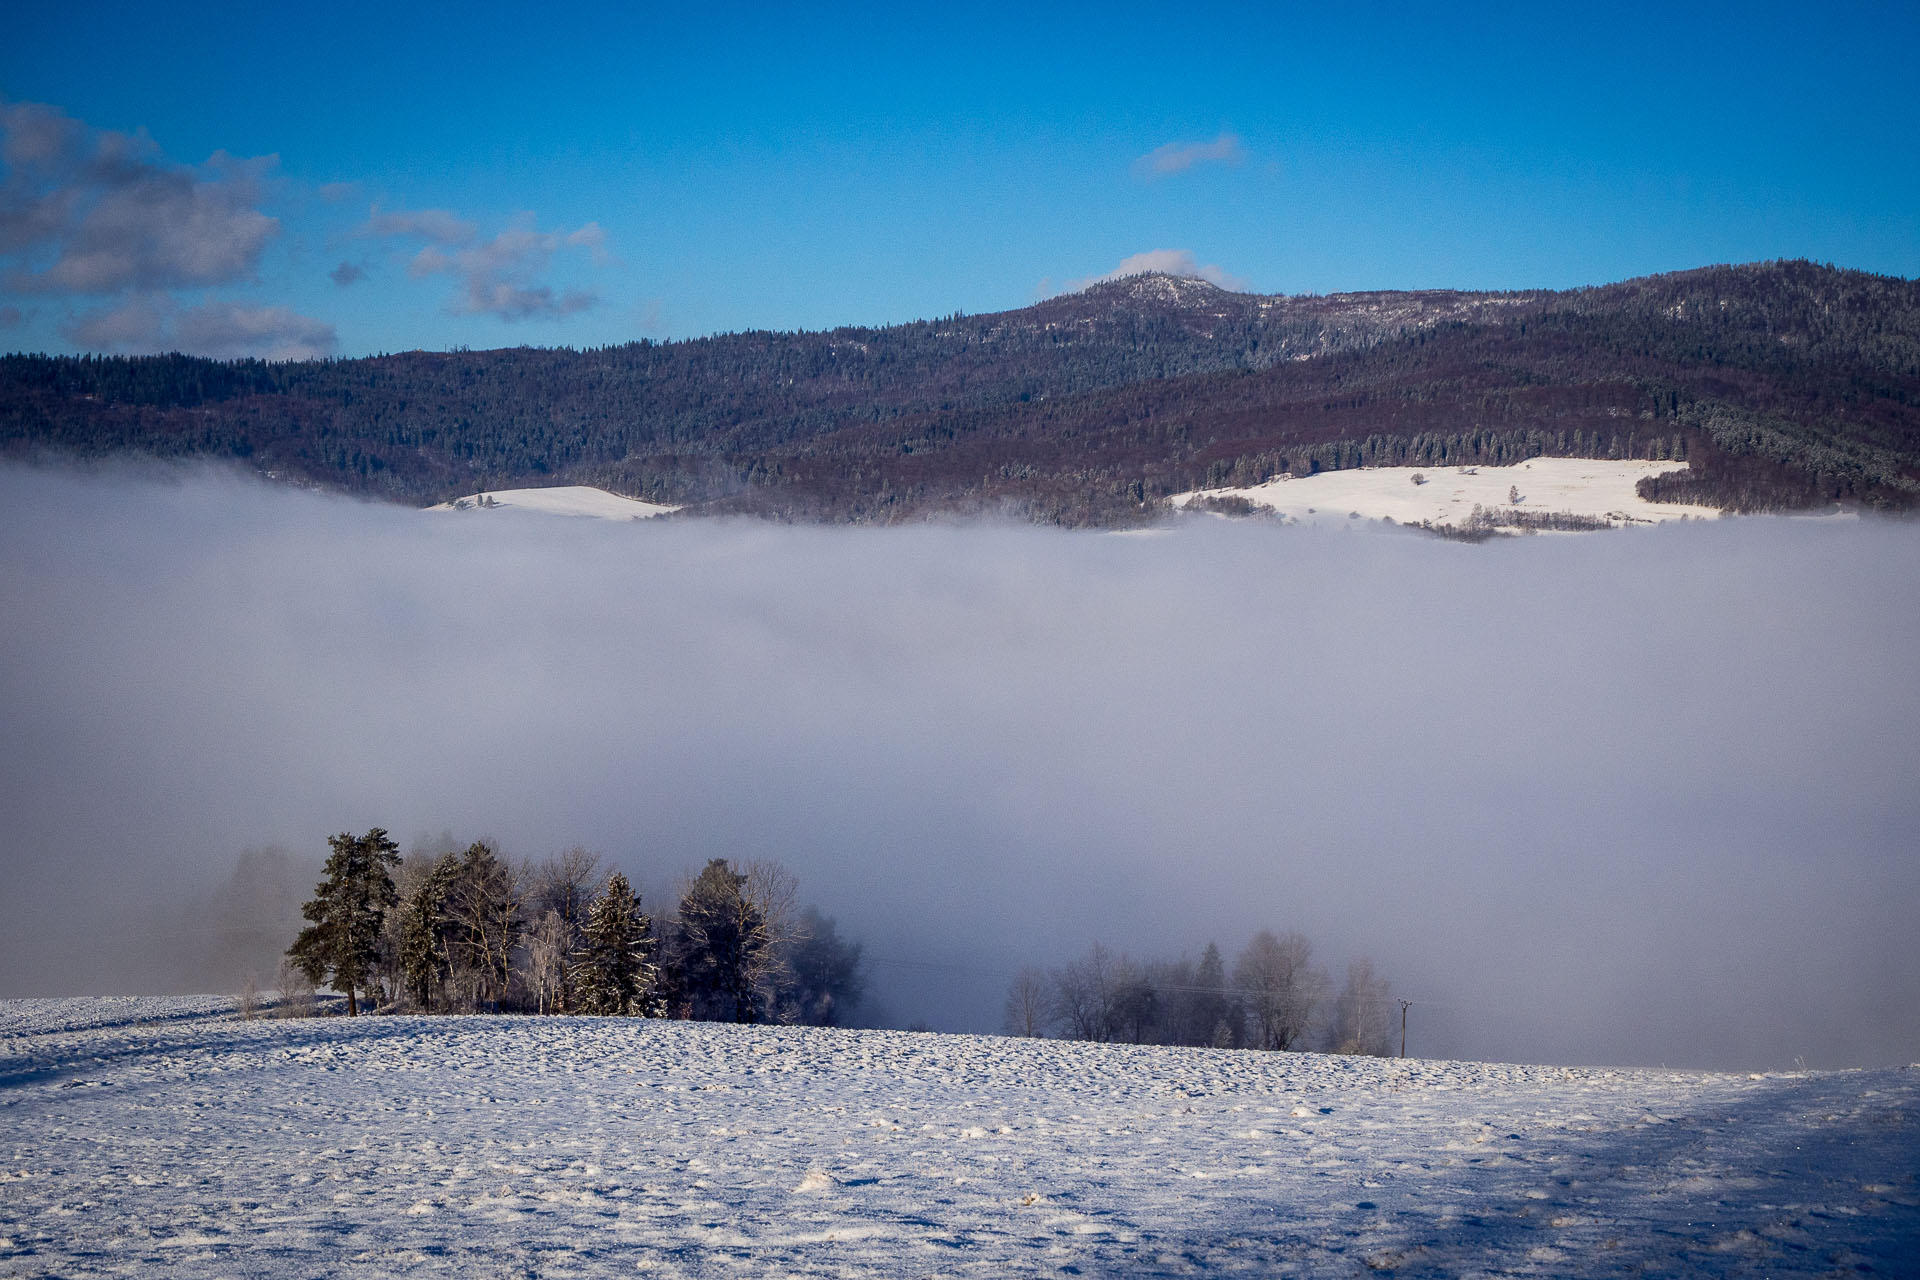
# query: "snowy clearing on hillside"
[[162, 1137], [561, 500], [1592, 487]]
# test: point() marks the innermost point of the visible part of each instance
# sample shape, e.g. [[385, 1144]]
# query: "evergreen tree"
[[827, 982], [424, 953], [483, 908], [1216, 1017], [725, 946], [347, 911], [617, 977]]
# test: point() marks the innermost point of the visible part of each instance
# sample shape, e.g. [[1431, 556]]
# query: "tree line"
[[1274, 997], [470, 931], [1780, 384]]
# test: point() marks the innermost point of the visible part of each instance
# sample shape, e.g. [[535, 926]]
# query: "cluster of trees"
[[1782, 385], [1273, 997], [469, 931]]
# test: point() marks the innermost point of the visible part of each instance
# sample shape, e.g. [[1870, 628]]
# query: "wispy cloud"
[[439, 226], [222, 330], [87, 211], [347, 273], [1178, 157], [501, 276]]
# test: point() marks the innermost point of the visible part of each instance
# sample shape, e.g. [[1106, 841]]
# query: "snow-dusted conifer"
[[424, 954], [617, 976], [346, 911]]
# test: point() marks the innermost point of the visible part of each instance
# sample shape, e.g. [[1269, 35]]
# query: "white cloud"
[[93, 212], [1178, 157]]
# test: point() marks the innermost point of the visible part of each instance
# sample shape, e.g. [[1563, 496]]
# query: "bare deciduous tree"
[[1026, 1013], [564, 884], [1362, 1022], [483, 908], [297, 999], [1101, 996], [1278, 988], [547, 952]]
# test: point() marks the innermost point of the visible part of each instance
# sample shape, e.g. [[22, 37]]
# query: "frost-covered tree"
[[483, 910], [1195, 1005], [347, 911], [616, 973], [425, 955], [549, 967], [730, 939], [1362, 1022], [1278, 988], [563, 886]]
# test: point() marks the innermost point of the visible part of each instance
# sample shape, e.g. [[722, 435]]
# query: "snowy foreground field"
[[162, 1137]]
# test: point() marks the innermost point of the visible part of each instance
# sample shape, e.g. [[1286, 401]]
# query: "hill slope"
[[199, 1145], [1783, 384]]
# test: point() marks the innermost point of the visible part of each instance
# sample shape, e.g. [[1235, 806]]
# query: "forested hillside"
[[1784, 385]]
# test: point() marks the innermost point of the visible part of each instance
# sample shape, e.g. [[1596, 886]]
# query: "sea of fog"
[[1638, 798]]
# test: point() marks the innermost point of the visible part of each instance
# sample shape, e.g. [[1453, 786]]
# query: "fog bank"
[[1642, 797]]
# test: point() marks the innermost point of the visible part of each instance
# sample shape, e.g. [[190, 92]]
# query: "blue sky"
[[279, 181]]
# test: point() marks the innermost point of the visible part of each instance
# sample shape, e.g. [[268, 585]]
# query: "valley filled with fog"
[[1639, 798]]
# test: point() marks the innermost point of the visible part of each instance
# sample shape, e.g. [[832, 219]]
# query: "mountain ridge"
[[1784, 385]]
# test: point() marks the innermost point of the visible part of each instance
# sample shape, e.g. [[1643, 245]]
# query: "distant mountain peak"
[[1159, 286]]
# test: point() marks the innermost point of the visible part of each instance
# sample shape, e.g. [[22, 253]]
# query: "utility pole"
[[1404, 1006]]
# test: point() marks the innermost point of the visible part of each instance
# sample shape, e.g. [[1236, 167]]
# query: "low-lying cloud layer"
[[1633, 798]]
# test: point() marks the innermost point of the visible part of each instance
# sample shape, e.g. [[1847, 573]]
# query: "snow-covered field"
[[162, 1137], [1574, 486], [560, 500]]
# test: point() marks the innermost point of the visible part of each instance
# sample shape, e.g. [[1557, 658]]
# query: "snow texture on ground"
[[559, 500], [163, 1137], [1596, 487]]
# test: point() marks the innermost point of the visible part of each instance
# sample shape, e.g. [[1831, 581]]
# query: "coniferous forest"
[[1783, 385], [469, 931]]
